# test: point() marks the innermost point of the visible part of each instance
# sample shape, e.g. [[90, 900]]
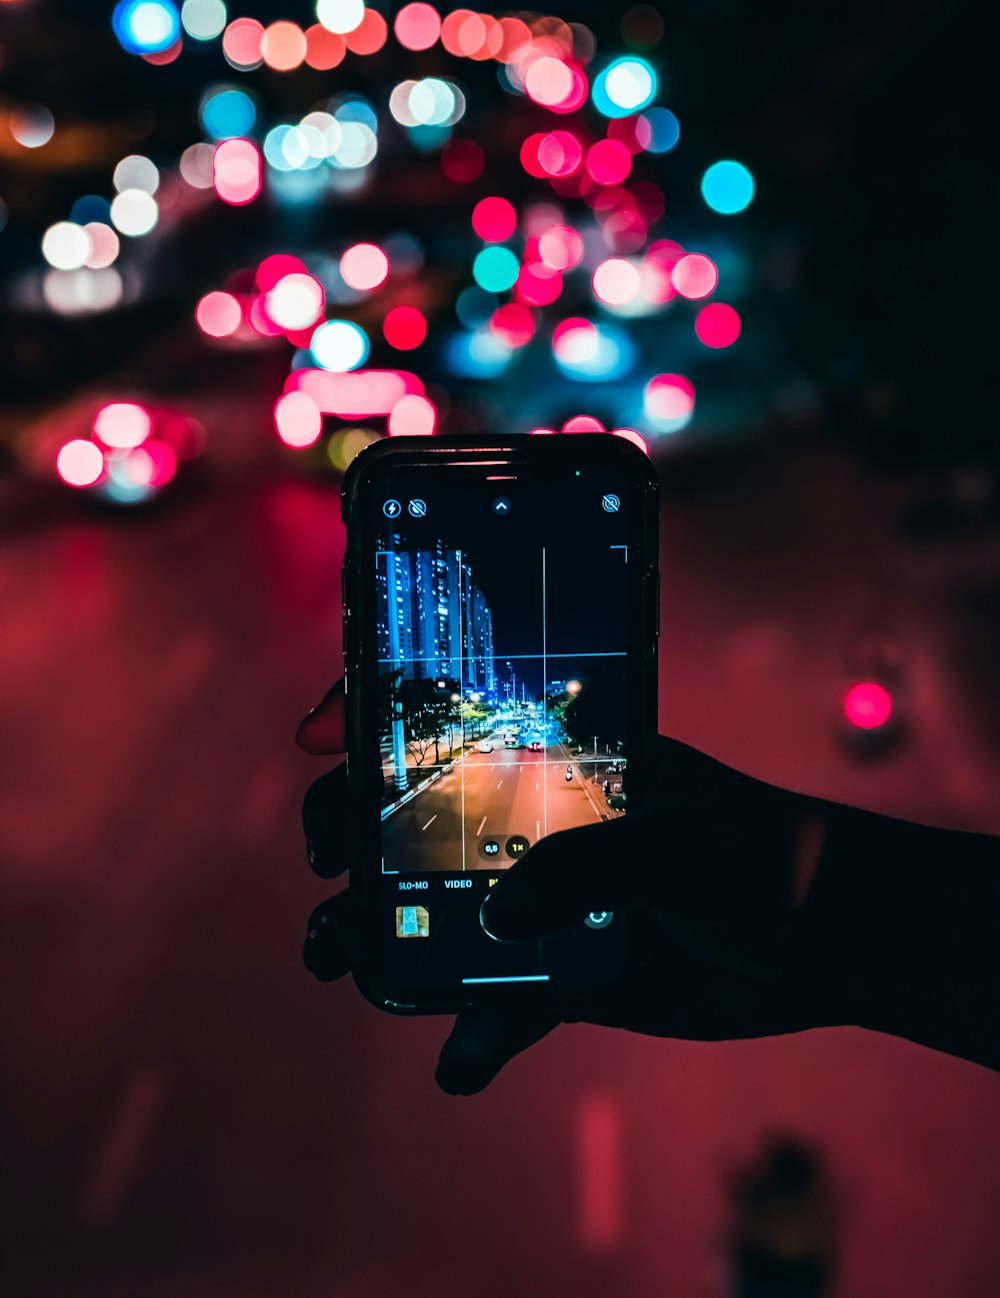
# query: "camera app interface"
[[502, 622]]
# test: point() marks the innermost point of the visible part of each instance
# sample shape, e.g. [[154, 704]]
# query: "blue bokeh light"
[[664, 129], [226, 112], [626, 86], [727, 187], [146, 26]]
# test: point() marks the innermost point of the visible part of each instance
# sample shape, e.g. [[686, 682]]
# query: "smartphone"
[[500, 640]]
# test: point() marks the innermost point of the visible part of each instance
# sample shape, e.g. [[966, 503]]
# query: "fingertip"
[[322, 732]]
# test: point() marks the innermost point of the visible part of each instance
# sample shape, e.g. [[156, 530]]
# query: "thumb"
[[560, 881]]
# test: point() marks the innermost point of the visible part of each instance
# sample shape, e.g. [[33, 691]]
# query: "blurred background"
[[238, 243]]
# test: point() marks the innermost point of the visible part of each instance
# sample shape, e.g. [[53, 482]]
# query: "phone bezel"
[[537, 454]]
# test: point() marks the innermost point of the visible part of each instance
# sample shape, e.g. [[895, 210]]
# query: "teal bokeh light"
[[727, 187], [626, 86], [495, 269], [228, 113]]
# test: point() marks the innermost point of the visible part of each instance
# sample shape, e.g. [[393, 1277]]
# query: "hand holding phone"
[[703, 874]]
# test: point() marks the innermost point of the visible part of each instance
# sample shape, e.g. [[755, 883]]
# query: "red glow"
[[324, 49], [163, 462], [417, 26], [404, 327], [364, 266], [494, 219], [560, 247], [218, 315], [560, 153], [669, 396], [573, 335], [370, 34], [355, 394], [123, 424], [260, 322], [695, 275], [628, 131], [543, 432], [516, 40], [241, 42], [236, 173], [529, 155], [283, 46], [600, 1172], [80, 463], [538, 284], [451, 28], [276, 267], [649, 199], [412, 416], [514, 323], [166, 56], [462, 161], [297, 419], [717, 325], [617, 281], [608, 162], [630, 435], [624, 231], [583, 424], [867, 705], [480, 36]]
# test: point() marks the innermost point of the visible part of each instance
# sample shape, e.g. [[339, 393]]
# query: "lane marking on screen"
[[511, 978], [499, 782], [481, 824], [430, 822]]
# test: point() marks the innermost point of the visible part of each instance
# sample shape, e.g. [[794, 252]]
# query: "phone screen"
[[503, 607]]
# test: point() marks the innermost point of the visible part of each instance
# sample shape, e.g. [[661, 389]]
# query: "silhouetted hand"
[[707, 873]]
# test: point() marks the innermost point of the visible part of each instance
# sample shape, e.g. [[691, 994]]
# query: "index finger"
[[323, 730]]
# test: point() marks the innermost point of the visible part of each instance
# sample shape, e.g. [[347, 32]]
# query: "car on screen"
[[511, 741], [484, 746], [535, 746]]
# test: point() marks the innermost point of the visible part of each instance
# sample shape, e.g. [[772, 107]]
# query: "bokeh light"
[[134, 212], [136, 172], [717, 325], [404, 328], [196, 165], [283, 46], [694, 275], [412, 416], [297, 419], [104, 245], [417, 26], [295, 302], [560, 247], [625, 86], [868, 705], [146, 26], [494, 219], [218, 314], [123, 424], [31, 125], [241, 43], [236, 171], [727, 187], [495, 269], [608, 162], [339, 345], [80, 463], [617, 281], [462, 161], [583, 424], [324, 49], [514, 324], [66, 245], [668, 402], [370, 34], [203, 20], [659, 130], [226, 112], [364, 266], [340, 16]]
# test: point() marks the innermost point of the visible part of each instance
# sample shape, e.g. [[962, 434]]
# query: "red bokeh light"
[[462, 161], [572, 335], [560, 153], [218, 315], [297, 419], [80, 463], [236, 171], [283, 46], [717, 325], [867, 705], [276, 267], [608, 162], [694, 275], [370, 34], [494, 219], [241, 42], [165, 56], [513, 323], [583, 424], [163, 463], [404, 328], [364, 266], [628, 131], [412, 416], [529, 155], [669, 397], [560, 247], [549, 81], [451, 28], [324, 49], [630, 435], [617, 281], [537, 284], [417, 26]]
